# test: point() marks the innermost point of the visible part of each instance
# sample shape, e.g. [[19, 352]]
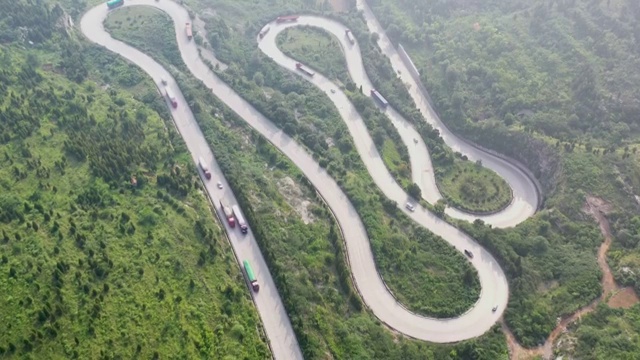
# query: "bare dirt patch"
[[623, 299], [339, 5], [292, 192]]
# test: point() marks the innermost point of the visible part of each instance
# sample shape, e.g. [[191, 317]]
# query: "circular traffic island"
[[473, 188]]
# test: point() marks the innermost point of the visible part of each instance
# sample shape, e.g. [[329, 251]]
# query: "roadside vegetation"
[[604, 334], [552, 87], [107, 244], [307, 260], [624, 255], [463, 184]]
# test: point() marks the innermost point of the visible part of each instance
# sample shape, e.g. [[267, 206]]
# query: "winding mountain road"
[[374, 292], [525, 193], [526, 189]]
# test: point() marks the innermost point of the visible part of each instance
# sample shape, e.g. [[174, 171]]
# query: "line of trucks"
[[233, 216]]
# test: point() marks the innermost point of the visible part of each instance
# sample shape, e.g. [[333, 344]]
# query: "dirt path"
[[625, 297], [598, 208]]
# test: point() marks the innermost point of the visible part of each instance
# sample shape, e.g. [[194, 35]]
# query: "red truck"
[[172, 98], [189, 31], [304, 69], [228, 213], [290, 18], [349, 35], [204, 168]]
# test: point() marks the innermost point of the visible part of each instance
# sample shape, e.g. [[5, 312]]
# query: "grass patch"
[[144, 20], [394, 161], [474, 188], [317, 48]]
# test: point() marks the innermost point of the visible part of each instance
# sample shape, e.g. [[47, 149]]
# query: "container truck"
[[229, 215], [264, 32], [350, 37], [240, 219], [114, 3], [189, 31], [283, 19], [172, 98], [251, 276], [204, 168], [304, 69], [379, 98]]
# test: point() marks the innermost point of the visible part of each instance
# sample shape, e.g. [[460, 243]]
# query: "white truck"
[[240, 219]]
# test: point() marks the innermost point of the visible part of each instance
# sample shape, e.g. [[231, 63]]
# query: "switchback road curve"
[[526, 189], [474, 323], [525, 194]]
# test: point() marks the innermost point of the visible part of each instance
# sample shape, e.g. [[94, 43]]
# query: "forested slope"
[[107, 244]]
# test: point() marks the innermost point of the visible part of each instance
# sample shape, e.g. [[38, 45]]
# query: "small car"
[[410, 207], [219, 185], [163, 81], [494, 308], [415, 140], [468, 253], [333, 91]]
